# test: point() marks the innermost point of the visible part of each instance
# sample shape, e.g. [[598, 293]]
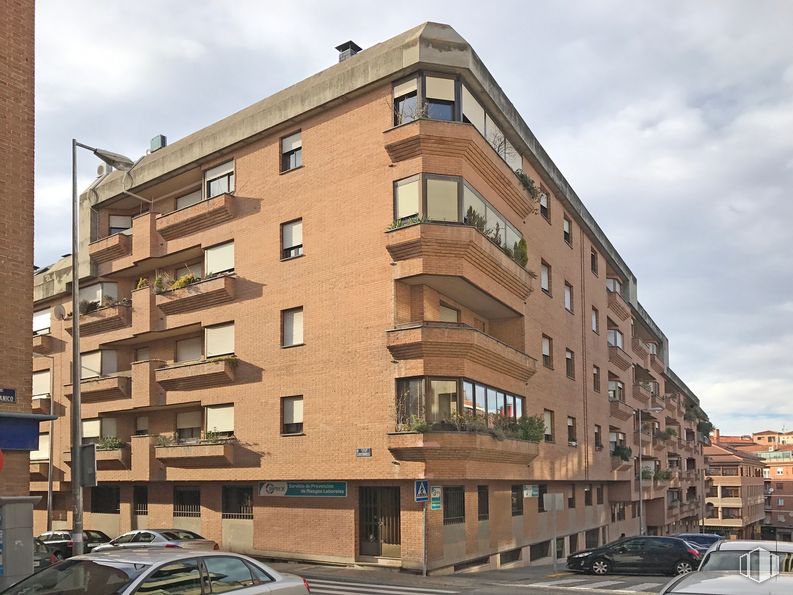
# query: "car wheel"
[[683, 567], [601, 567]]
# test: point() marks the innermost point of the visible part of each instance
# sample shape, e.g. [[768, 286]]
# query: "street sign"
[[435, 497], [363, 452], [8, 395], [317, 489], [531, 491], [421, 490]]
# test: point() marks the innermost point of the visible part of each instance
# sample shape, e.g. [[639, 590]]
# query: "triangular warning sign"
[[421, 490]]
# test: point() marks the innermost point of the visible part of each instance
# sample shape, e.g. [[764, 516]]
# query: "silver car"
[[168, 538], [159, 571]]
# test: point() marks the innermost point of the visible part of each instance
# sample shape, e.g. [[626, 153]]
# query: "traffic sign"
[[421, 490], [435, 498]]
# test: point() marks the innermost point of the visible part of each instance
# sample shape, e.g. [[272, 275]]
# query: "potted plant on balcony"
[[110, 443], [647, 474], [662, 475], [623, 452]]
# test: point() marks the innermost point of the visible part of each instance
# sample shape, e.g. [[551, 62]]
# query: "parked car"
[[159, 538], [647, 554], [719, 571], [43, 556], [159, 571], [702, 541], [62, 542]]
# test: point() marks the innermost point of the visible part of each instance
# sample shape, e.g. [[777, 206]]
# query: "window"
[[473, 113], [119, 224], [188, 425], [99, 293], [571, 497], [406, 198], [593, 262], [616, 390], [186, 501], [569, 358], [780, 501], [448, 314], [517, 500], [542, 490], [41, 322], [568, 230], [571, 430], [596, 379], [141, 354], [220, 420], [440, 98], [442, 400], [595, 320], [41, 384], [98, 363], [598, 436], [292, 239], [180, 578], [568, 297], [292, 415], [547, 416], [588, 495], [482, 503], [547, 351], [780, 471], [573, 542], [105, 499], [228, 574], [442, 199], [219, 259], [219, 180], [42, 453], [292, 327], [540, 550], [599, 494], [237, 502], [545, 277], [406, 102], [616, 338], [453, 505], [189, 200], [219, 339], [614, 285], [140, 500], [189, 350], [291, 152], [141, 425], [591, 538], [92, 430], [560, 548], [545, 206]]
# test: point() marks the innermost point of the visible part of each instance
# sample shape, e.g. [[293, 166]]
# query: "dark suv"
[[646, 554], [61, 543]]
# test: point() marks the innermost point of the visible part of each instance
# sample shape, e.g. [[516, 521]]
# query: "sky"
[[672, 120]]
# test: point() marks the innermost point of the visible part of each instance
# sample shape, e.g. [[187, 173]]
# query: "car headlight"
[[576, 556]]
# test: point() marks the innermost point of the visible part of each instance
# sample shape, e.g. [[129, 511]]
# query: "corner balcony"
[[205, 293], [455, 345], [110, 248], [199, 374], [619, 358], [618, 306], [642, 394], [113, 458], [196, 217], [640, 349], [620, 410], [41, 404], [458, 260], [102, 320], [657, 364], [101, 388], [199, 454], [461, 454], [42, 344], [39, 469]]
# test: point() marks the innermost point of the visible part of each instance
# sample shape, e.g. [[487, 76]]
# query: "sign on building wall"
[[435, 497], [313, 489], [8, 395], [531, 491], [363, 452]]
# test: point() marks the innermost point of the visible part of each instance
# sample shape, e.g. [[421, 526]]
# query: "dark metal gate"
[[379, 522]]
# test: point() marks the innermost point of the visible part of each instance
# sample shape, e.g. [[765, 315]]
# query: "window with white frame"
[[292, 327], [189, 350], [42, 384], [292, 239], [94, 364], [188, 425], [291, 152], [595, 320], [219, 180], [547, 351], [440, 94], [614, 285], [42, 321], [219, 259], [220, 420], [219, 339], [99, 293], [188, 200], [568, 297], [616, 338], [292, 415], [42, 453], [568, 230], [545, 277]]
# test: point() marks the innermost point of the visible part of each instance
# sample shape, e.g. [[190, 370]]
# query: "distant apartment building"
[[735, 492], [363, 281]]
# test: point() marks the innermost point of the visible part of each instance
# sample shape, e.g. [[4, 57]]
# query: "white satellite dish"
[[58, 312]]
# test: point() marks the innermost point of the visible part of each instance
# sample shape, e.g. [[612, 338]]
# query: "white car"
[[159, 571], [158, 538]]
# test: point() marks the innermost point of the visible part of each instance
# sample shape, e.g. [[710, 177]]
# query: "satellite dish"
[[58, 312]]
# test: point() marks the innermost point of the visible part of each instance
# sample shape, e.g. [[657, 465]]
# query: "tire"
[[601, 567], [683, 567]]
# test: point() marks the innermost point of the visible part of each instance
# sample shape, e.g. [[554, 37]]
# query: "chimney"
[[716, 434], [347, 50]]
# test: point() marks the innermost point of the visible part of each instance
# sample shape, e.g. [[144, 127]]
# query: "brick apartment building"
[[272, 405]]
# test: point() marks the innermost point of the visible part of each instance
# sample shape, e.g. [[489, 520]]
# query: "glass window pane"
[[468, 397], [440, 110], [227, 573], [442, 399], [492, 401], [474, 211], [480, 400], [499, 402], [178, 578], [189, 350], [496, 226], [518, 407], [407, 199], [410, 403], [188, 200], [442, 199], [406, 87], [513, 237], [473, 112]]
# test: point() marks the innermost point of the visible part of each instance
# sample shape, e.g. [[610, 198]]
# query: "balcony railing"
[[41, 404], [619, 358], [640, 348], [42, 344], [618, 306], [110, 248], [101, 387], [620, 410], [198, 374], [102, 319], [201, 453], [113, 458], [202, 294], [657, 364], [196, 217]]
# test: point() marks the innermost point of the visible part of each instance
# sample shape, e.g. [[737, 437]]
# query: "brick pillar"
[[211, 509]]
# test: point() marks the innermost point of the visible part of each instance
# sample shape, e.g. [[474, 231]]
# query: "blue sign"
[[311, 489], [421, 490], [8, 395]]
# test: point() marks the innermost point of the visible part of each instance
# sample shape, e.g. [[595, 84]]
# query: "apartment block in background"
[[363, 281]]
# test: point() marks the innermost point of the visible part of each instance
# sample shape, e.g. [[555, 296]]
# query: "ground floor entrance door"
[[379, 522]]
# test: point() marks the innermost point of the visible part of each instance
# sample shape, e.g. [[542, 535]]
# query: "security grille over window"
[[453, 505], [186, 502], [237, 502]]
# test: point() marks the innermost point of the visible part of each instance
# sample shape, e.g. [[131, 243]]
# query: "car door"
[[143, 538], [178, 577], [230, 573], [628, 555], [662, 554], [124, 540]]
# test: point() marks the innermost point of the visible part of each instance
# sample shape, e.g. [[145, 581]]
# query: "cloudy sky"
[[672, 120]]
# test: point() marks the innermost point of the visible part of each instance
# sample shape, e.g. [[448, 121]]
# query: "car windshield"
[[731, 560], [97, 577], [180, 535]]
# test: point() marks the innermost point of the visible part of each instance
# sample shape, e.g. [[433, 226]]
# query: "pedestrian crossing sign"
[[422, 490]]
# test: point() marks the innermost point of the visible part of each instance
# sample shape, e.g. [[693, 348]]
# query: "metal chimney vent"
[[158, 142], [347, 50]]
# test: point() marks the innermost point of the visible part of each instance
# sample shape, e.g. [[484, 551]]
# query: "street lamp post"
[[655, 409], [123, 163]]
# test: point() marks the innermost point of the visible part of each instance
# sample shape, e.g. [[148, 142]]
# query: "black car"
[[61, 543], [702, 541], [637, 555]]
